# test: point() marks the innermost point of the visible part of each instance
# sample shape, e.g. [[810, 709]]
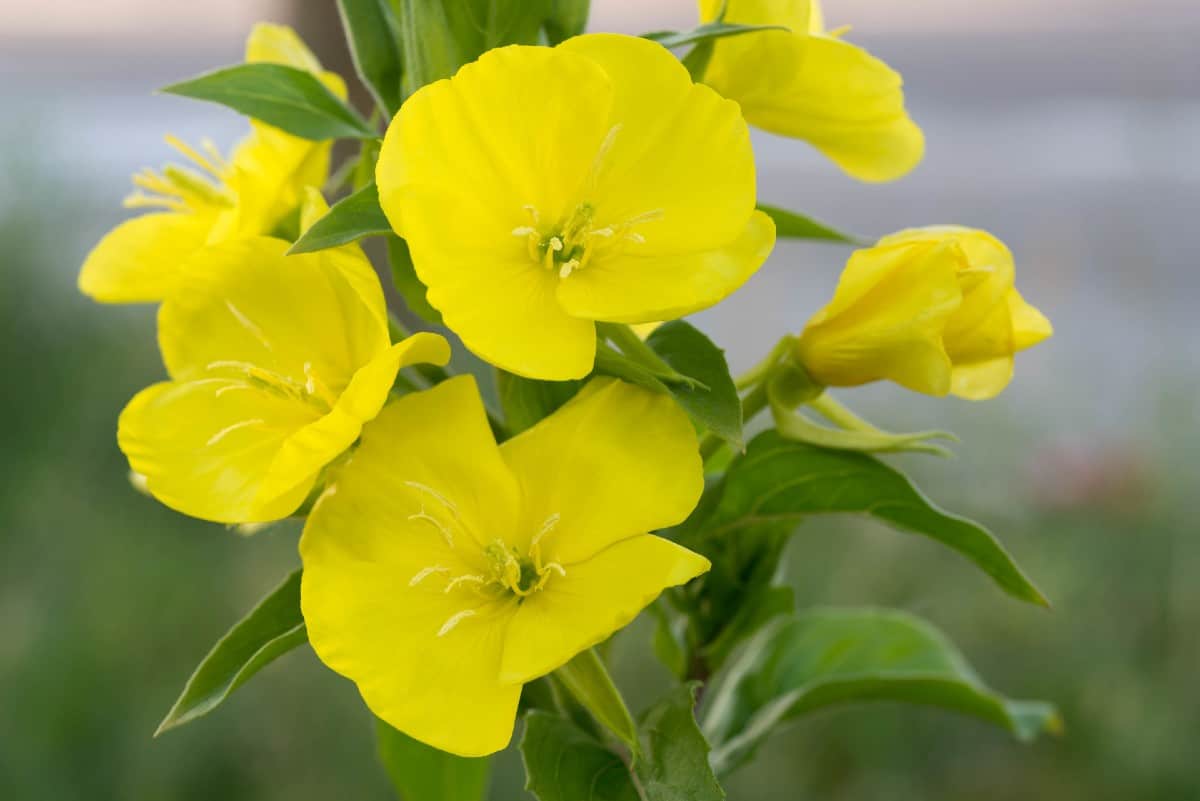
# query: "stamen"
[[249, 325], [546, 528], [567, 267], [437, 496], [454, 620], [556, 567], [220, 435], [556, 244], [438, 524], [424, 573], [454, 582], [524, 230], [189, 152]]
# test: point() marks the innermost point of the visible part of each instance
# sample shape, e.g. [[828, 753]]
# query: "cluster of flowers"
[[540, 190]]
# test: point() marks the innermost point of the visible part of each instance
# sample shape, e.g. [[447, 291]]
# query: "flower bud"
[[932, 309]]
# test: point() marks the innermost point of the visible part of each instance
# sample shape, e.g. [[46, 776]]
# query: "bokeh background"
[[1071, 129]]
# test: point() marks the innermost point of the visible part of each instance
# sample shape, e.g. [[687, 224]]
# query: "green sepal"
[[706, 33], [793, 225], [587, 679]]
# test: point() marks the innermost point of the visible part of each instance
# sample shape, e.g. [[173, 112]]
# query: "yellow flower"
[[442, 572], [933, 309], [813, 85], [213, 200], [275, 362], [541, 189]]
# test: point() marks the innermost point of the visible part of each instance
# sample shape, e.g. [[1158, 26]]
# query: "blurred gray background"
[[1071, 130]]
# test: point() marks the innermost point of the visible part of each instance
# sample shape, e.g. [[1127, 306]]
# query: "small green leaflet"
[[716, 404], [811, 660], [350, 219], [423, 773], [285, 97], [780, 480], [271, 629], [793, 225], [706, 32]]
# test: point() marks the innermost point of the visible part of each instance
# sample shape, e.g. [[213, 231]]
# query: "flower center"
[[508, 573]]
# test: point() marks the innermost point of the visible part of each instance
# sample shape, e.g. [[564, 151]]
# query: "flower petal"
[[678, 151], [205, 445], [638, 289], [1030, 326], [376, 571], [520, 126], [886, 319], [139, 260], [247, 302], [850, 106], [305, 453], [614, 462], [981, 380], [501, 304], [596, 597]]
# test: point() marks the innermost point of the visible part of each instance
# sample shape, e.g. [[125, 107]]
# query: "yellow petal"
[[508, 130], [593, 599], [205, 445], [404, 517], [139, 260], [614, 462], [637, 289], [279, 44], [886, 319], [850, 106], [247, 302], [981, 380], [679, 151], [303, 454], [1030, 326], [503, 306]]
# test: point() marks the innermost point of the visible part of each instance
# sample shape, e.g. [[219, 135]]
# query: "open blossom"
[[812, 84], [276, 362], [933, 309], [542, 189], [442, 572], [214, 198]]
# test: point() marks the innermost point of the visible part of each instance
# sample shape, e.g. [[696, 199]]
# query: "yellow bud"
[[933, 309]]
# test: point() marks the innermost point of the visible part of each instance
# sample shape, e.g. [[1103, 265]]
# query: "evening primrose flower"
[[812, 84], [276, 362], [442, 572], [213, 199], [933, 309], [541, 189]]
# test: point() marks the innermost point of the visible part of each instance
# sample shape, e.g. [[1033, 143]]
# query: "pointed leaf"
[[285, 97], [350, 219], [793, 225], [714, 405], [421, 772], [588, 681], [272, 628], [816, 659], [675, 760], [705, 33], [374, 39], [778, 480], [563, 763]]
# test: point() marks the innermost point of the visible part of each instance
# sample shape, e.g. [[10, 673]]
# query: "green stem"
[[758, 373]]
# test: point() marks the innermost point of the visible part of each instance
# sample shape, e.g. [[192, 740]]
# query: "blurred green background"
[[1079, 146]]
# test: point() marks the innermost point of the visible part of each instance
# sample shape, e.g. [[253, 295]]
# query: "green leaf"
[[824, 657], [706, 33], [675, 760], [288, 98], [565, 18], [778, 480], [404, 277], [423, 773], [272, 628], [374, 39], [527, 401], [563, 763], [350, 219], [793, 225], [588, 681], [716, 404]]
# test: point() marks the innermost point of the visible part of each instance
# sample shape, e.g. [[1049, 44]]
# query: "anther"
[[454, 620]]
